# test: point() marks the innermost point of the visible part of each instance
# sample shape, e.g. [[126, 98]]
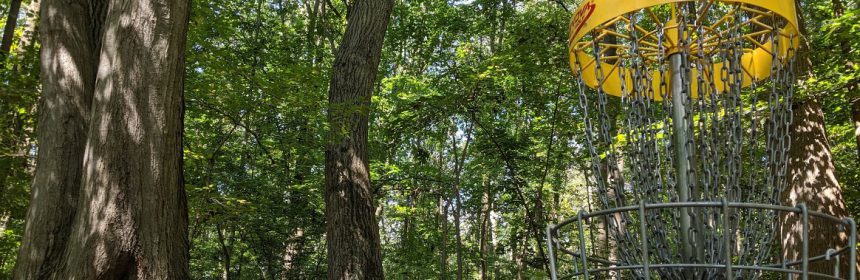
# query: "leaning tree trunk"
[[68, 67], [132, 214], [812, 182], [9, 30], [352, 232], [26, 43]]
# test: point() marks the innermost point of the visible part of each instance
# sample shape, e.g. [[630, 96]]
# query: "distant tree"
[[9, 30]]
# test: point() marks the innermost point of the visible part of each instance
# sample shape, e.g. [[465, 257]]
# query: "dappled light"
[[428, 139]]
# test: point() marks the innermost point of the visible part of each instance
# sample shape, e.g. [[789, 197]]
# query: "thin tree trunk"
[[352, 232], [457, 232], [518, 249], [4, 219], [486, 249], [132, 215], [69, 61], [9, 31], [460, 159], [225, 253], [32, 13], [443, 243], [812, 182], [855, 118], [292, 253]]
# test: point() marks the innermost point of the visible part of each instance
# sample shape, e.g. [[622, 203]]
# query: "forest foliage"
[[474, 132]]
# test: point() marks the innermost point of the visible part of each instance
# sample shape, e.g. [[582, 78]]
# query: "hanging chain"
[[729, 155]]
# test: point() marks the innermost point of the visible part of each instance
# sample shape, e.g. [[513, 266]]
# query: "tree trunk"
[[352, 233], [4, 219], [132, 215], [9, 31], [225, 253], [812, 182], [459, 161], [443, 232], [518, 250], [855, 118], [292, 253], [486, 231], [68, 73], [25, 43], [457, 231]]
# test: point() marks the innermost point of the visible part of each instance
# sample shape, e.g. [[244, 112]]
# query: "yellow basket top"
[[596, 15]]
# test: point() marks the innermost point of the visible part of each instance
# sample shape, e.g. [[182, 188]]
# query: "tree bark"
[[9, 30], [812, 182], [68, 73], [352, 232], [132, 218]]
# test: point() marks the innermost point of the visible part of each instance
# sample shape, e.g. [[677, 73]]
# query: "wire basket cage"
[[687, 110], [576, 252]]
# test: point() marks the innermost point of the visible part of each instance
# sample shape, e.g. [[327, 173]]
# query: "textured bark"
[[132, 215], [68, 69], [352, 232], [812, 182], [9, 30]]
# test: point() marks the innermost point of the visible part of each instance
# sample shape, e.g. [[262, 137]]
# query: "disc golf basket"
[[690, 163]]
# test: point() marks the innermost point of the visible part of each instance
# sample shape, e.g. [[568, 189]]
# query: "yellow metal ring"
[[756, 63]]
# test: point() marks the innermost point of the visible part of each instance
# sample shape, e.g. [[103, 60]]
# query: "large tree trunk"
[[352, 233], [132, 215], [68, 67], [9, 30], [812, 182]]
